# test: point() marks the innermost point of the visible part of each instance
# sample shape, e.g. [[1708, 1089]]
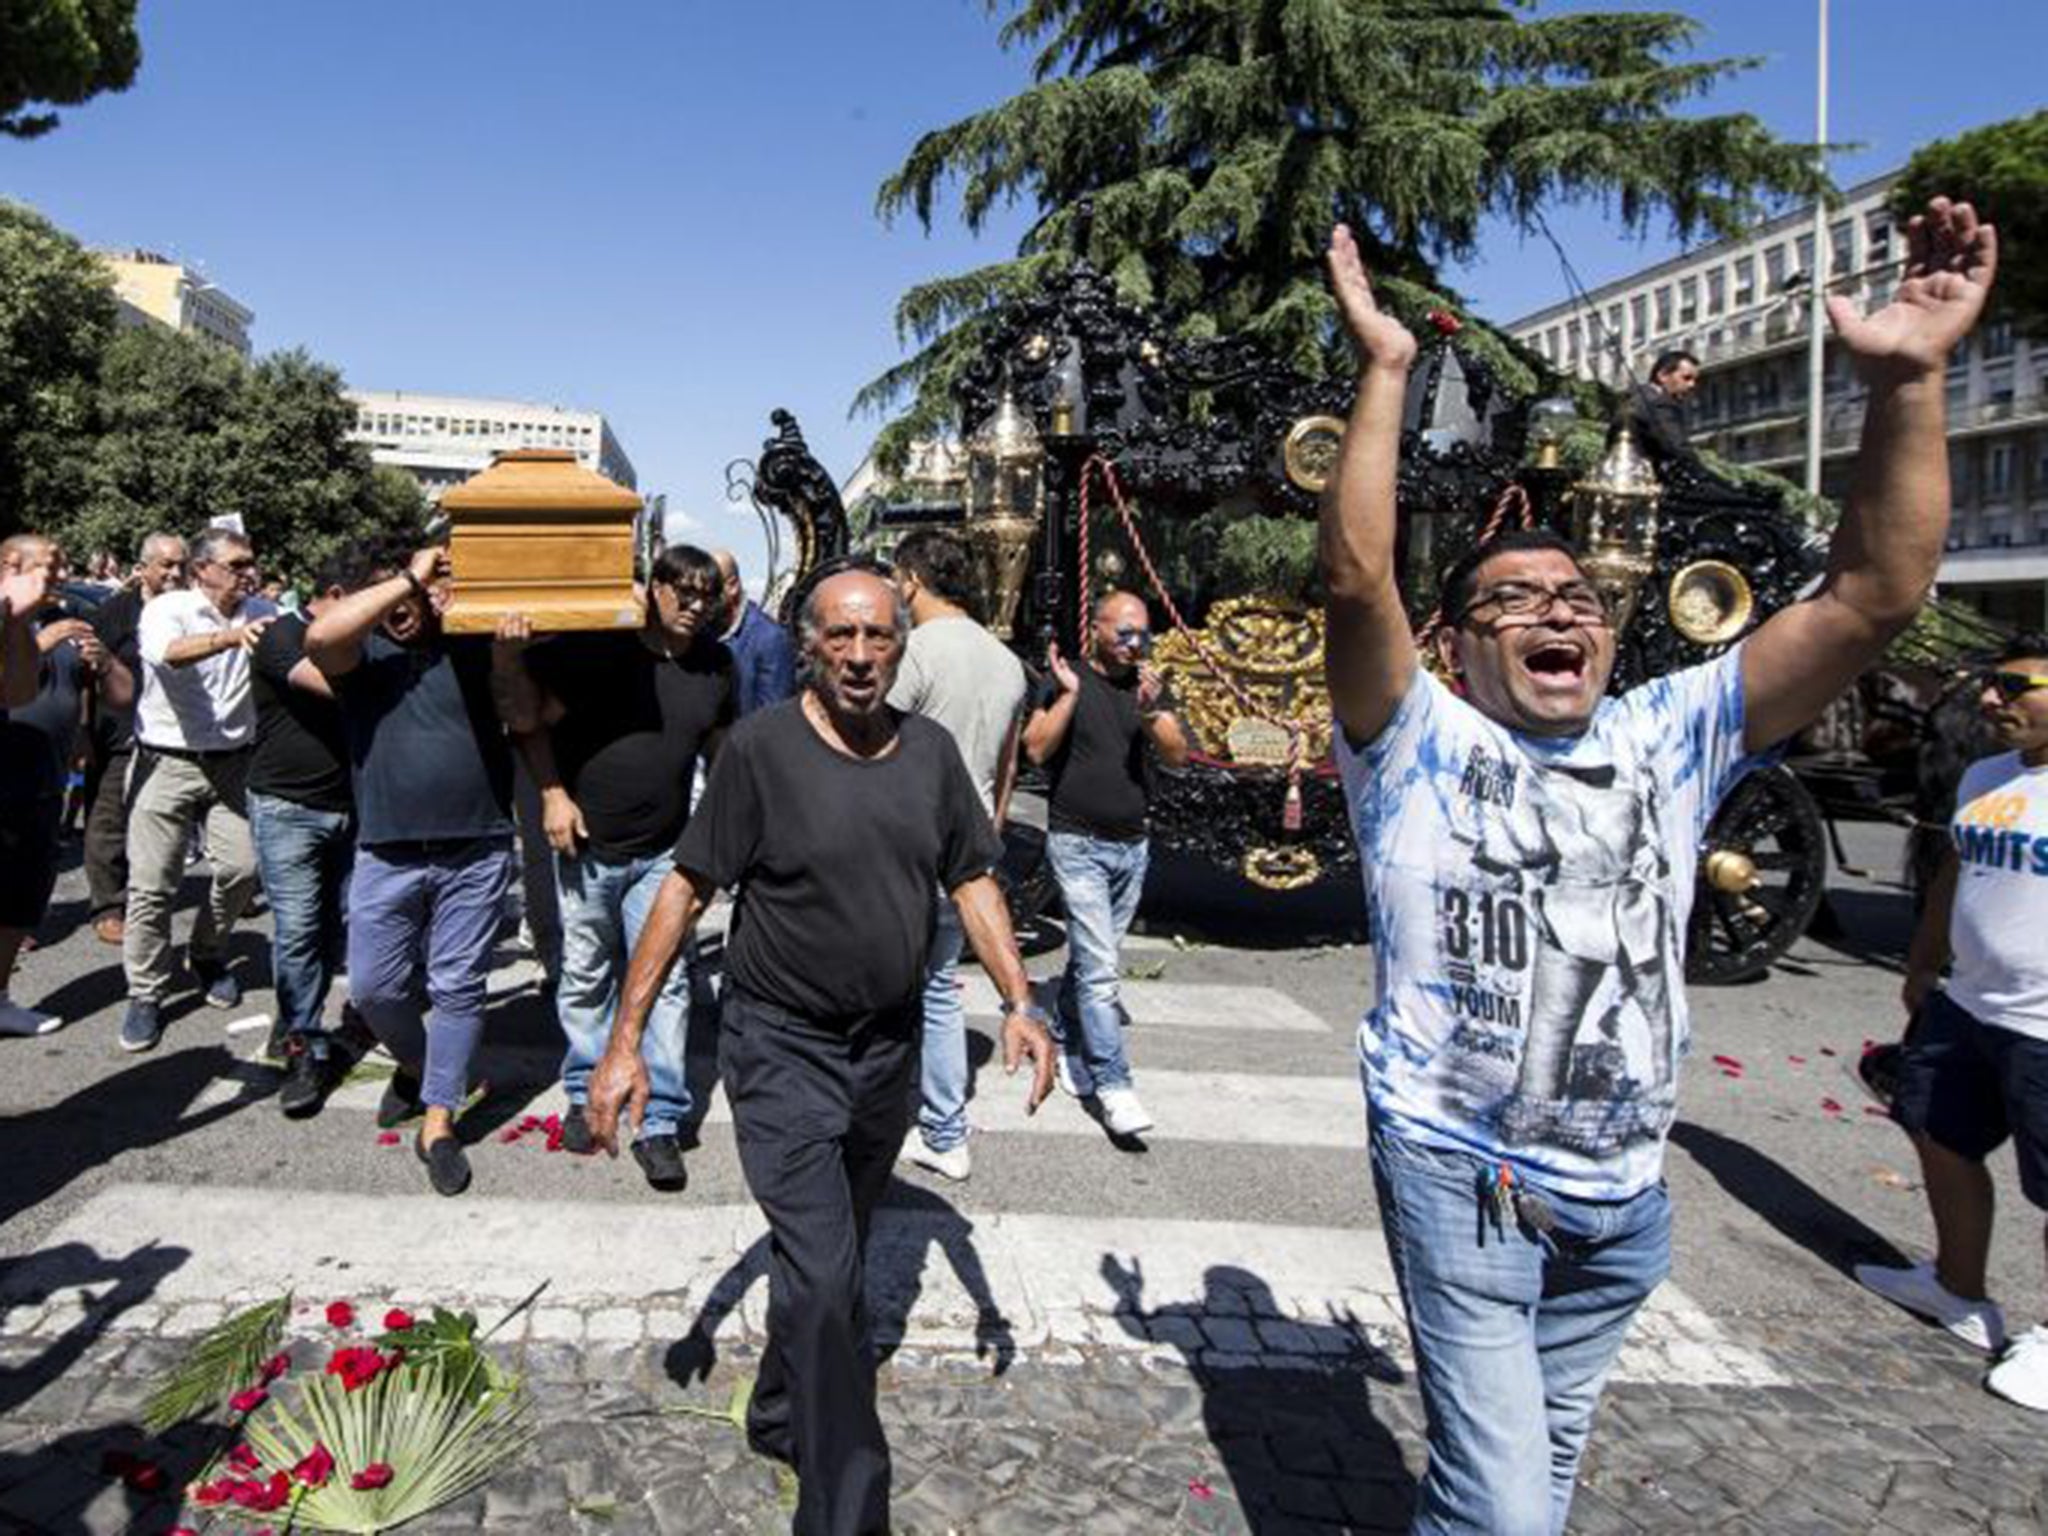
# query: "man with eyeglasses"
[[1096, 729], [195, 728], [612, 727], [1528, 846], [1974, 1070]]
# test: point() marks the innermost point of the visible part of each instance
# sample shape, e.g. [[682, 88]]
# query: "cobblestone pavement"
[[1885, 1432]]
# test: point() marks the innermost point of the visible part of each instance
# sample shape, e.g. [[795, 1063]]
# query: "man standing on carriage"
[[1523, 1201]]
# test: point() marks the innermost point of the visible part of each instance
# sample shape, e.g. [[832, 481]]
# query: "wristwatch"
[[1025, 1009]]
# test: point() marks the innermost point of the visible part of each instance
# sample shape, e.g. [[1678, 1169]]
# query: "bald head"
[[1123, 631], [732, 593], [852, 631], [160, 563]]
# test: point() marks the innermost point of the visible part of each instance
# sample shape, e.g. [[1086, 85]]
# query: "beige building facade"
[[153, 288], [1741, 306]]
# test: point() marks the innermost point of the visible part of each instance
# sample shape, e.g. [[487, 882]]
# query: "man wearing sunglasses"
[[1529, 846], [195, 731], [1974, 1071], [612, 727]]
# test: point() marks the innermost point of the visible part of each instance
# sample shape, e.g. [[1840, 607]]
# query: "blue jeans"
[[1100, 883], [942, 1112], [305, 857], [422, 918], [1514, 1329], [604, 904]]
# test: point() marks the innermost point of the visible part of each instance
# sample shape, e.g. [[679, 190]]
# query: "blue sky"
[[664, 210]]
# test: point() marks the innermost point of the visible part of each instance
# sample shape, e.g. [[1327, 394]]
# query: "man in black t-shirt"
[[432, 774], [1094, 731], [611, 726], [834, 816], [302, 819]]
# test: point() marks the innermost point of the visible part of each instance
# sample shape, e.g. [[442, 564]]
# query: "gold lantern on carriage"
[[1614, 524], [1005, 508]]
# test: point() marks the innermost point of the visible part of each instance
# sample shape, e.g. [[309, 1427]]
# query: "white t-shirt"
[[1999, 929], [962, 676], [202, 707], [1528, 899]]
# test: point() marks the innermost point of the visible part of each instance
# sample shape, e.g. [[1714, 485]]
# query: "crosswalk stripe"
[[1176, 1005], [936, 1276]]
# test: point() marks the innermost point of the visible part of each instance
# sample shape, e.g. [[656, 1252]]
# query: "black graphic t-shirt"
[[1102, 773], [835, 858], [301, 747], [1528, 899]]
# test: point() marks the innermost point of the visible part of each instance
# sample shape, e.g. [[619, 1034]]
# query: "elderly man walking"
[[835, 816], [195, 729], [159, 568], [1528, 846], [957, 673]]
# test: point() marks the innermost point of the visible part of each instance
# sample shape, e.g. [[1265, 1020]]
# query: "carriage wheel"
[[1762, 873]]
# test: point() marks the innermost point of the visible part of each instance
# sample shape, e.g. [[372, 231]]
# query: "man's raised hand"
[[1062, 670], [1380, 340], [1951, 260]]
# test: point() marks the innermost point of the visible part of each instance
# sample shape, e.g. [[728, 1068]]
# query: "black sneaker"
[[447, 1164], [576, 1135], [353, 1038], [661, 1158], [308, 1077], [217, 983], [401, 1100]]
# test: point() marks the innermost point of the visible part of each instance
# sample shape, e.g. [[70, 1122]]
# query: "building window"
[[1745, 280], [1688, 300], [1998, 339], [1998, 472], [1877, 237], [1638, 318], [1717, 290], [1663, 310], [1774, 270], [1842, 248], [1806, 256]]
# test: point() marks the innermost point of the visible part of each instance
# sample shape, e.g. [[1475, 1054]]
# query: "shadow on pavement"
[[112, 1476], [1800, 1213], [1281, 1432], [129, 1111]]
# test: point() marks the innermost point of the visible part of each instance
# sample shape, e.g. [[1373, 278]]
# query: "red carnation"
[[397, 1320], [249, 1400], [376, 1475], [217, 1492], [243, 1458], [275, 1367], [340, 1314], [315, 1467], [264, 1497], [1446, 323], [388, 1138], [357, 1366]]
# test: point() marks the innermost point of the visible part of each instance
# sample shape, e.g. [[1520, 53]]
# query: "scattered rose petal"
[[529, 1122], [1728, 1064], [358, 1366], [376, 1475], [1200, 1488], [340, 1314], [389, 1139], [1878, 1110], [397, 1320], [249, 1400], [275, 1367], [183, 1530], [1726, 1073], [1797, 1061], [264, 1497], [243, 1458], [511, 1133], [315, 1467], [1831, 1106], [213, 1494]]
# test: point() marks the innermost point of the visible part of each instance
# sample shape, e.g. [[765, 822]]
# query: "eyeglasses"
[[2014, 685], [246, 563], [691, 597], [1528, 600]]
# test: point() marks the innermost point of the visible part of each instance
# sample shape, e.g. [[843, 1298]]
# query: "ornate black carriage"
[[1126, 435]]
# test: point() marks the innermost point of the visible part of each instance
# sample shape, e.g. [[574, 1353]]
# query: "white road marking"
[[935, 1275], [254, 1021], [1176, 1004]]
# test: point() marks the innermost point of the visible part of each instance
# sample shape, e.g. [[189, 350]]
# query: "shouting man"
[[1528, 847]]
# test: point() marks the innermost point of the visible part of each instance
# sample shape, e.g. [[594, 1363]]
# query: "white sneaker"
[[954, 1163], [17, 1020], [1978, 1324], [1121, 1112], [2021, 1375], [1063, 1075]]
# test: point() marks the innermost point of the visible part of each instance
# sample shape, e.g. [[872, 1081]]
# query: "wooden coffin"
[[539, 534]]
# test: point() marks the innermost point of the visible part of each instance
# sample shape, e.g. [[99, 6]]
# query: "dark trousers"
[[820, 1114], [106, 833]]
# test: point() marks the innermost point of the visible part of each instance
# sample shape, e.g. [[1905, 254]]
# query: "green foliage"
[[62, 51], [1217, 142], [223, 1362], [2003, 169], [56, 318], [440, 1437]]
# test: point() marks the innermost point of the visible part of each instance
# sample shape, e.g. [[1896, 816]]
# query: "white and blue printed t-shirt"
[[1528, 898], [1998, 928]]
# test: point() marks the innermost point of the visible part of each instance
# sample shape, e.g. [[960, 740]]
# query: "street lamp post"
[[1817, 287]]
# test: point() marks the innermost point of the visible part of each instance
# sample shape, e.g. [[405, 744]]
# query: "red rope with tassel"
[[1297, 738]]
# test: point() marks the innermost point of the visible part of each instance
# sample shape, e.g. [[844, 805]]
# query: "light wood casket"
[[539, 534]]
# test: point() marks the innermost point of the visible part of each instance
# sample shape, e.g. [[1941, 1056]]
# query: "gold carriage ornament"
[[1710, 602], [1614, 524], [1005, 506]]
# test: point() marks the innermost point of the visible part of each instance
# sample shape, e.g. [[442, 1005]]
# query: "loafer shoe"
[[661, 1158], [308, 1077], [576, 1134], [447, 1164]]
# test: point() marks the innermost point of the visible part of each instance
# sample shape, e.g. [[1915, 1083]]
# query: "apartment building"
[[155, 289], [441, 440]]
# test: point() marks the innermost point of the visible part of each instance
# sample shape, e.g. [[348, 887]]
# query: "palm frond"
[[224, 1361]]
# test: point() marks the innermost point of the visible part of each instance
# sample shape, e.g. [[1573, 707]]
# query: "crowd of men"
[[1522, 832]]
